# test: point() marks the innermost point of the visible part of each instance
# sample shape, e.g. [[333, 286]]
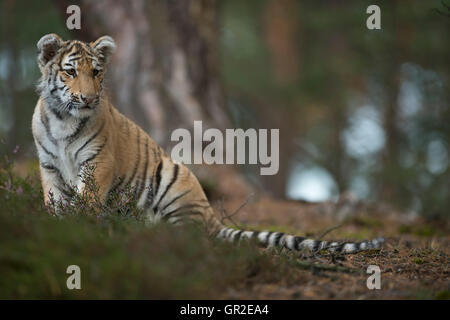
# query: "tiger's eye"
[[71, 72]]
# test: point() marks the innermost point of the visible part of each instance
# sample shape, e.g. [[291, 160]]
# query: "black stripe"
[[74, 59], [49, 76], [340, 247], [184, 215], [237, 236], [60, 179], [158, 177], [316, 245], [74, 54], [90, 139], [137, 186], [268, 237], [175, 199], [149, 199], [114, 188], [64, 191], [174, 178], [117, 185], [48, 166], [45, 149], [297, 242], [278, 238], [67, 50], [144, 175], [255, 235], [95, 154], [136, 164], [55, 75], [184, 208], [44, 120], [77, 131], [56, 113]]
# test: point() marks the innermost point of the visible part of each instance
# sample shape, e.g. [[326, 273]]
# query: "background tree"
[[359, 110]]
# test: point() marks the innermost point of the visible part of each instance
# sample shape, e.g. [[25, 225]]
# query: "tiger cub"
[[74, 124]]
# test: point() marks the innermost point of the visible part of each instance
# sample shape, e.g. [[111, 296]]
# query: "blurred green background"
[[360, 111]]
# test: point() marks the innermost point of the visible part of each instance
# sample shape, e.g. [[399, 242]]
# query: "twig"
[[229, 217], [329, 230], [446, 14]]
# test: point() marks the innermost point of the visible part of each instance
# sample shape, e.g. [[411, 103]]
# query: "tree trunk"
[[389, 188], [12, 72]]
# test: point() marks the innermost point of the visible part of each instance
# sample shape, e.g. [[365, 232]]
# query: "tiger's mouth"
[[89, 106]]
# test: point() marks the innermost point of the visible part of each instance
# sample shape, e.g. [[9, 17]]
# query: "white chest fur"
[[68, 165], [63, 144]]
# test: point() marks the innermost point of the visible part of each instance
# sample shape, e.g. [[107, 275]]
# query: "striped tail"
[[296, 243]]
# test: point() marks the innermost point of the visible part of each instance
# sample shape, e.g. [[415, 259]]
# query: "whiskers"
[[67, 106], [63, 103]]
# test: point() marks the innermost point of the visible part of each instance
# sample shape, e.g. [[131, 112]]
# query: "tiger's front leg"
[[95, 179], [54, 188]]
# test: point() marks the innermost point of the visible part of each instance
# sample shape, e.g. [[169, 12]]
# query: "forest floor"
[[121, 258], [414, 261]]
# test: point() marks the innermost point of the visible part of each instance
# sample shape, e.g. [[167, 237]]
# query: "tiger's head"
[[73, 73]]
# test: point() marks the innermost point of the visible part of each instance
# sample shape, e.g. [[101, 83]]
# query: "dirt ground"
[[414, 261]]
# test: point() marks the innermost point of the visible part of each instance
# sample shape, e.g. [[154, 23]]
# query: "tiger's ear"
[[48, 46], [105, 47]]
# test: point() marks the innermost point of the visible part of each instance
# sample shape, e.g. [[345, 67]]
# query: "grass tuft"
[[119, 256]]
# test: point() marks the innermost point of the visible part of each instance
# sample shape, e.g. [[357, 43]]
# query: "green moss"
[[423, 294], [423, 230], [366, 221], [443, 295]]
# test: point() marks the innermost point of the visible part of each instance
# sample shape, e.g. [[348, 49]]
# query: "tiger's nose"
[[87, 99]]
